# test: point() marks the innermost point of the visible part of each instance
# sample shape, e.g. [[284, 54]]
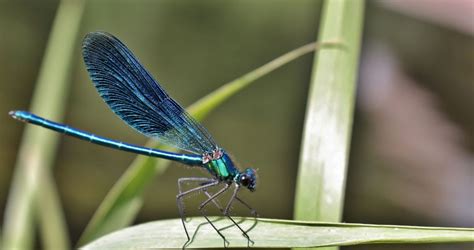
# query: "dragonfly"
[[141, 102]]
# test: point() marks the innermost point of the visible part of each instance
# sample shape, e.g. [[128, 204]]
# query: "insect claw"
[[226, 243]]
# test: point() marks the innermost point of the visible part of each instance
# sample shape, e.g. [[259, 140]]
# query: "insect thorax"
[[219, 164]]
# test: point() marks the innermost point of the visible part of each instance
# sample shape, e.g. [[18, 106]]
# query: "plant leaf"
[[32, 192], [327, 130], [271, 233]]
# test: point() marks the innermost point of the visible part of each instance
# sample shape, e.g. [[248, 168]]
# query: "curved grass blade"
[[33, 193], [270, 233], [123, 202], [327, 130]]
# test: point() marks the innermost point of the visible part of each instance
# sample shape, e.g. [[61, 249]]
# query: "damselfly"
[[132, 93]]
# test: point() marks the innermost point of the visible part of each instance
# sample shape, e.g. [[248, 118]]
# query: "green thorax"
[[222, 167]]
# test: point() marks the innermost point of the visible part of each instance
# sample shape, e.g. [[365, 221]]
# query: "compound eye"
[[244, 180]]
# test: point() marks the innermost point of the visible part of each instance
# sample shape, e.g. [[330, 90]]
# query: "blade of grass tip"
[[270, 233], [122, 203], [327, 130], [38, 146]]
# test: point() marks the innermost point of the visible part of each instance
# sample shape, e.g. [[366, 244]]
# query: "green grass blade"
[[38, 145], [124, 200], [269, 233], [202, 107], [327, 131], [122, 203]]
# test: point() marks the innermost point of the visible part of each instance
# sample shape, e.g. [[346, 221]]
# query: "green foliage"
[[327, 132], [326, 139], [270, 233], [321, 178], [33, 192]]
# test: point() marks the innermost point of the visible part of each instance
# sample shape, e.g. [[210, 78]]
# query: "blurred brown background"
[[412, 155]]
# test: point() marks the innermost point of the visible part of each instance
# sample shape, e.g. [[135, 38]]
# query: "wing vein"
[[132, 93]]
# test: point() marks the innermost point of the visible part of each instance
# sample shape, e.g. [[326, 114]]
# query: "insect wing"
[[132, 93]]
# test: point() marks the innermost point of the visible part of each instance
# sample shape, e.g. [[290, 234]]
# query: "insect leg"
[[226, 213], [203, 181], [253, 212], [179, 198], [215, 201], [201, 209], [186, 180]]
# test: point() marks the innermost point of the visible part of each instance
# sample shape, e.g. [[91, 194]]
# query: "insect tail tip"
[[16, 114]]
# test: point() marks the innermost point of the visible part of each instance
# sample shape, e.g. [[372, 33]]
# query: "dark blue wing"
[[133, 94]]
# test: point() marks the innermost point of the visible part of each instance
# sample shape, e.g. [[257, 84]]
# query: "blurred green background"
[[194, 47]]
